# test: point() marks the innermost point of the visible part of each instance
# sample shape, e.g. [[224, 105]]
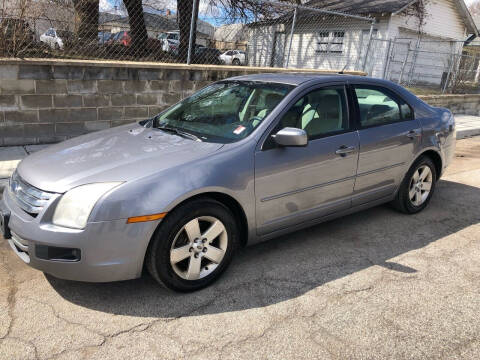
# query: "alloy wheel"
[[420, 185], [198, 248]]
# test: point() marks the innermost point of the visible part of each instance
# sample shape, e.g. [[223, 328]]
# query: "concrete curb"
[[463, 134]]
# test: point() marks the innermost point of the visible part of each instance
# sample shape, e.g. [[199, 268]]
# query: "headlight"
[[75, 206]]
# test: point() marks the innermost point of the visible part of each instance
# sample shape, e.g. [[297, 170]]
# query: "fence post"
[[450, 68], [291, 36], [400, 79], [364, 65], [414, 62], [193, 27], [255, 50], [477, 73], [387, 59]]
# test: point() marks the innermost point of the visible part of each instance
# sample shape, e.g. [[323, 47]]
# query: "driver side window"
[[320, 112]]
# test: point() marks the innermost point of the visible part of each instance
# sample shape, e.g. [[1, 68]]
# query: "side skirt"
[[320, 220]]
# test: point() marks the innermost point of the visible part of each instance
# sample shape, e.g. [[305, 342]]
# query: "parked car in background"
[[104, 36], [122, 38], [205, 55], [56, 39], [234, 57], [170, 41], [241, 161]]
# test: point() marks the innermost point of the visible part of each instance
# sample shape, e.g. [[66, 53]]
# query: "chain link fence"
[[429, 66], [232, 32], [244, 32]]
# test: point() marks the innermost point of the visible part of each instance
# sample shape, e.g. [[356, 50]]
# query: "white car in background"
[[170, 41], [234, 57], [54, 38]]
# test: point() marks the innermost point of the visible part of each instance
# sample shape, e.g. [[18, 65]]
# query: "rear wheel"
[[193, 245], [236, 62], [417, 187]]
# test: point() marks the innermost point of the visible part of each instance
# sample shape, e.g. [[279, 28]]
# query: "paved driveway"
[[374, 285]]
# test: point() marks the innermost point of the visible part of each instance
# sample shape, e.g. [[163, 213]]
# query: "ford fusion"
[[243, 160]]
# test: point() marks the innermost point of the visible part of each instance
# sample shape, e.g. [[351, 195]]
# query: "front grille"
[[28, 197]]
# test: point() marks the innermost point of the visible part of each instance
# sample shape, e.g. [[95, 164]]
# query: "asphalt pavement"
[[374, 285]]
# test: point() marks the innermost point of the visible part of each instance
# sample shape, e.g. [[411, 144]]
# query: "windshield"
[[224, 112]]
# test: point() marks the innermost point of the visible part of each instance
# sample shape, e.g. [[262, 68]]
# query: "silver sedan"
[[243, 160]]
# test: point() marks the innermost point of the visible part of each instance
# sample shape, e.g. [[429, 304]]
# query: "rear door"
[[297, 184], [390, 137]]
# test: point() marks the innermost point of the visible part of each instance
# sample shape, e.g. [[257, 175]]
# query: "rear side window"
[[379, 106]]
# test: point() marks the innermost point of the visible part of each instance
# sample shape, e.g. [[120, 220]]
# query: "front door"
[[297, 184], [390, 137]]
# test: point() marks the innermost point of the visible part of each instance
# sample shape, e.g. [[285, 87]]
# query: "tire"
[[404, 200], [236, 62], [171, 240]]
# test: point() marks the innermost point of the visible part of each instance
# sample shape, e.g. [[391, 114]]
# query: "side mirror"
[[291, 137]]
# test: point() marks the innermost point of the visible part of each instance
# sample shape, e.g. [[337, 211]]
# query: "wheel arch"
[[435, 156], [230, 202]]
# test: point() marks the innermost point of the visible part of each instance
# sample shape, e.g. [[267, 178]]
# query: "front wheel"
[[417, 187], [193, 245]]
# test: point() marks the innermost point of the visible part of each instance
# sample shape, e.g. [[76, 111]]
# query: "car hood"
[[124, 153]]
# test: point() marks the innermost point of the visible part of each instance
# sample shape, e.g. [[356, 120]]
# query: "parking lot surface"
[[374, 285]]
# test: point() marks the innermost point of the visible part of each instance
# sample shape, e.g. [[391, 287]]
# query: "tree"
[[474, 7], [232, 11], [86, 13], [184, 10], [138, 29]]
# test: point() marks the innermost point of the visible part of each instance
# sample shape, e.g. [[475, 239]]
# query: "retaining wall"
[[468, 104], [45, 101]]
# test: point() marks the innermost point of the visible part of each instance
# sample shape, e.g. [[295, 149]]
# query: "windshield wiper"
[[179, 132]]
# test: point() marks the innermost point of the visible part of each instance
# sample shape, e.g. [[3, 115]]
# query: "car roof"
[[295, 78]]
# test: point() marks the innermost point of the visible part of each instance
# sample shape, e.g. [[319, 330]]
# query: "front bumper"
[[110, 250]]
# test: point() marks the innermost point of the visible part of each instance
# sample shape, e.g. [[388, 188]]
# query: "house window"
[[330, 42]]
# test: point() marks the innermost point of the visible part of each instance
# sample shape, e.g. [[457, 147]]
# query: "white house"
[[328, 41]]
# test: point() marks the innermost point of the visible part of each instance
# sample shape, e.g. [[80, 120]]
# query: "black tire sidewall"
[[165, 235], [404, 191]]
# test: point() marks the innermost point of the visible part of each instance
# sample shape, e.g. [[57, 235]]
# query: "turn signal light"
[[145, 218]]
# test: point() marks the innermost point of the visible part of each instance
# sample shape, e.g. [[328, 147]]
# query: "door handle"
[[412, 134], [344, 150]]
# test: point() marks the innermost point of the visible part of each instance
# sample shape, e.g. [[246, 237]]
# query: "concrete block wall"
[[467, 104], [45, 101]]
